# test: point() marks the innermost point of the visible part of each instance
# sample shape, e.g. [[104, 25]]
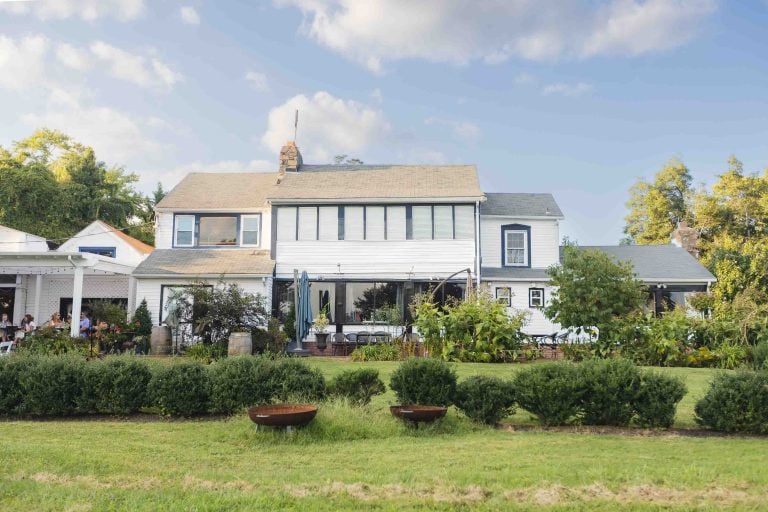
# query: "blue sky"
[[577, 98]]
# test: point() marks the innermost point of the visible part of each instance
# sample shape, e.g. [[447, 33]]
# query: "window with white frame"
[[504, 295], [184, 231], [515, 248], [536, 297], [250, 226]]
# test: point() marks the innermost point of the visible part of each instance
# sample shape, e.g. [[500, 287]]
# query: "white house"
[[94, 264], [371, 237]]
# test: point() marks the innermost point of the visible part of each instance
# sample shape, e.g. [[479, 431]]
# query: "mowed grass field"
[[365, 460]]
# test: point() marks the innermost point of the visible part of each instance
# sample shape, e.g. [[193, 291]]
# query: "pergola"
[[78, 265]]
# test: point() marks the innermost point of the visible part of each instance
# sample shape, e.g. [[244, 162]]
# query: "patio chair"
[[381, 337], [363, 338], [5, 348], [339, 341]]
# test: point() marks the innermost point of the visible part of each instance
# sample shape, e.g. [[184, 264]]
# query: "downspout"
[[477, 243]]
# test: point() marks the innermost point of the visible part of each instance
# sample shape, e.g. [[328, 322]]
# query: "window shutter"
[[307, 223], [353, 223], [465, 222], [374, 223], [329, 223], [286, 223], [395, 222]]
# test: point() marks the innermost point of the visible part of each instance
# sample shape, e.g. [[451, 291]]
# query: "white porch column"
[[77, 302], [38, 292], [131, 296]]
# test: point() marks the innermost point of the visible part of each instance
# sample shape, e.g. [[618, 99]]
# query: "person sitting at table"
[[55, 321], [85, 324], [4, 324], [27, 326]]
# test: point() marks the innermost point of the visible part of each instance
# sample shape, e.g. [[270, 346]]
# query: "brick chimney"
[[290, 159], [687, 238]]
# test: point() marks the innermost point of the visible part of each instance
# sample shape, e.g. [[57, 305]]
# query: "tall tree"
[[656, 207]]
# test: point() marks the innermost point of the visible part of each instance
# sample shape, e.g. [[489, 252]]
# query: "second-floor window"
[[198, 230], [516, 245]]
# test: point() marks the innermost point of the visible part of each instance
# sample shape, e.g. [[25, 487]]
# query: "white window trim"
[[242, 230], [176, 230], [525, 248], [530, 297], [508, 299]]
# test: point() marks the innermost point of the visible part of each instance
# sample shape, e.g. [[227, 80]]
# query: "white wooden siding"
[[396, 223], [149, 289], [395, 259], [537, 323], [329, 223], [96, 235], [545, 241], [164, 231]]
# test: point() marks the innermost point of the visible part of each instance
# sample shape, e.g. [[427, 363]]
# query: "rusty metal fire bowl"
[[418, 413], [282, 415]]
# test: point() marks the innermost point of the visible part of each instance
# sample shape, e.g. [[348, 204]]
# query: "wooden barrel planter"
[[240, 343], [418, 413], [282, 415], [160, 341]]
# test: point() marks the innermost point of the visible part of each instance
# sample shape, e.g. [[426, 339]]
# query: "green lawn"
[[348, 462]]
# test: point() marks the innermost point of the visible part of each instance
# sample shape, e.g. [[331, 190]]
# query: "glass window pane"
[[353, 223], [517, 252], [323, 297], [250, 222], [443, 222], [185, 226], [250, 227], [465, 222], [183, 238], [389, 303], [329, 223], [360, 302], [374, 223], [308, 223], [286, 223], [218, 230], [395, 222], [422, 222]]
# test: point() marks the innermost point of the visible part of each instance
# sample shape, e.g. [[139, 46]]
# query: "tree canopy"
[[54, 186]]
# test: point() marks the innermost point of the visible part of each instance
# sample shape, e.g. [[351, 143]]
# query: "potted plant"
[[320, 323]]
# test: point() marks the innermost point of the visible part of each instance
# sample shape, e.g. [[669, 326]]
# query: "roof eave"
[[204, 276], [378, 200], [524, 217]]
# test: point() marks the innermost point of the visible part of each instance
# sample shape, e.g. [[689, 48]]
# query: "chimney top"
[[687, 238], [290, 159]]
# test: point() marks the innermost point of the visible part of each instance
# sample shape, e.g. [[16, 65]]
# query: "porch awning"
[[63, 263]]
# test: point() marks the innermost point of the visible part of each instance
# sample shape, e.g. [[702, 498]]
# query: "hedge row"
[[67, 385], [736, 402], [600, 392]]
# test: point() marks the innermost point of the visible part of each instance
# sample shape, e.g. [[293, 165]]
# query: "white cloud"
[[116, 136], [22, 62], [258, 81], [136, 69], [377, 96], [189, 15], [72, 57], [493, 31], [327, 126], [87, 10], [570, 90], [462, 130]]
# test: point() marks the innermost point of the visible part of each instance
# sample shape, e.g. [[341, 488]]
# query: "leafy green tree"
[[591, 289], [142, 319], [656, 207]]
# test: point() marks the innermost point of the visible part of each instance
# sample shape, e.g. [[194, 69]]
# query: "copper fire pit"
[[282, 415], [418, 413]]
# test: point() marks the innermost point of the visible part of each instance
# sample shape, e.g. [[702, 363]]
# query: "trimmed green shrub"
[[656, 400], [239, 382], [52, 386], [181, 389], [206, 352], [293, 379], [485, 399], [115, 386], [11, 392], [610, 385], [736, 402], [357, 386], [552, 392], [420, 381], [759, 356], [380, 352]]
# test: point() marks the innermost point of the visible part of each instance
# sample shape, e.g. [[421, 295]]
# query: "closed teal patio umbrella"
[[303, 309]]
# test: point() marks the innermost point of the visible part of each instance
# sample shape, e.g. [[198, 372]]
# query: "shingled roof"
[[385, 182], [521, 205], [212, 190], [206, 262], [661, 263]]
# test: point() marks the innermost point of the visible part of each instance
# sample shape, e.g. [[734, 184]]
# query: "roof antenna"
[[295, 125]]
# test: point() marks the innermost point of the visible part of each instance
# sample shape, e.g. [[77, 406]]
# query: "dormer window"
[[516, 240], [217, 230]]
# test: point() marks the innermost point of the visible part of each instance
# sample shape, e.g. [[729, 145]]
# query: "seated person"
[[55, 321], [4, 324], [85, 324]]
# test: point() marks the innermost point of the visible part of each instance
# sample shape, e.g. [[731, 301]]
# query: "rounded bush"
[[357, 386], [551, 392], [485, 399], [11, 391], [422, 381], [609, 388], [293, 379], [52, 386], [656, 400], [115, 386], [181, 389], [736, 402], [239, 382]]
